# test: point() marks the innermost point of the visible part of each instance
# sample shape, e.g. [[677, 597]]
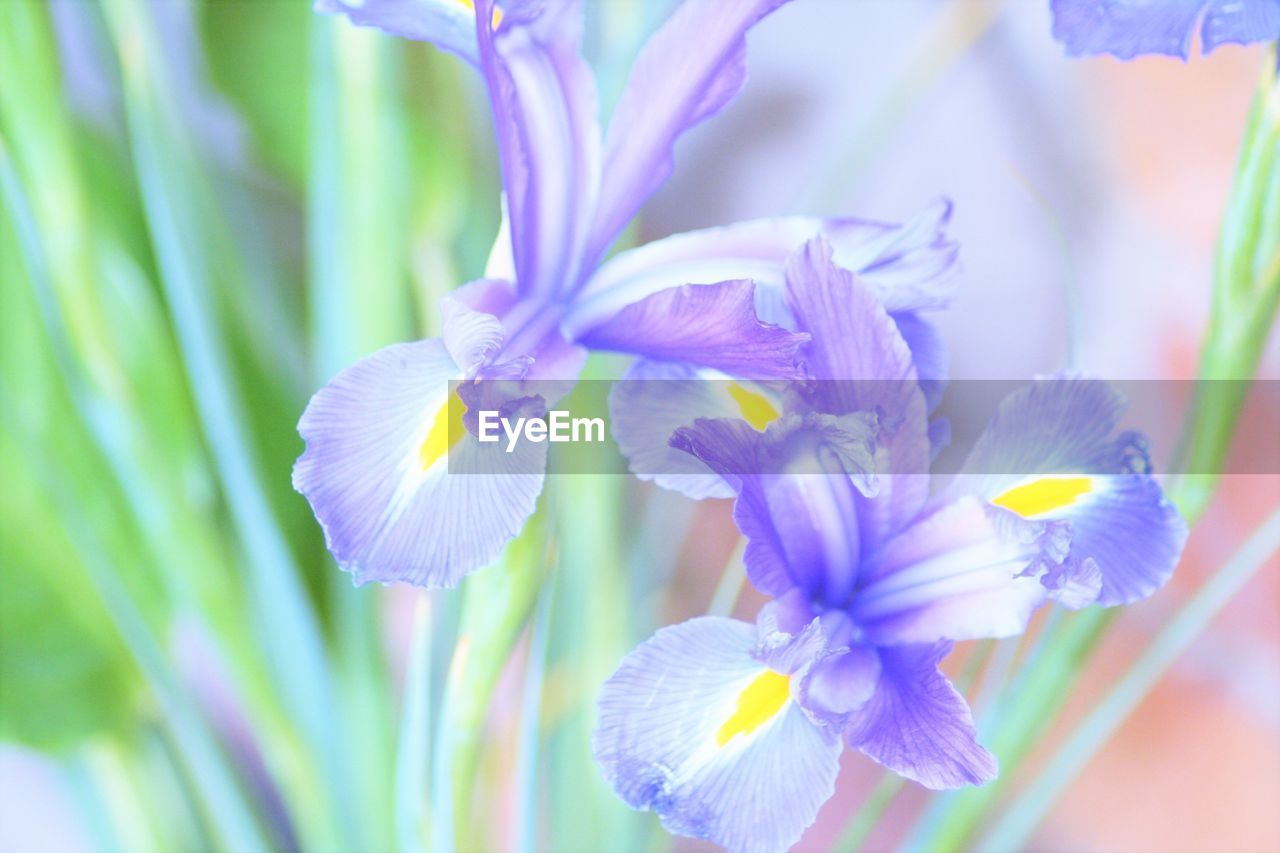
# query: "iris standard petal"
[[709, 325], [695, 728], [957, 574], [1050, 453], [1126, 28], [543, 98], [391, 472], [868, 371], [448, 24], [691, 67], [910, 267], [918, 725]]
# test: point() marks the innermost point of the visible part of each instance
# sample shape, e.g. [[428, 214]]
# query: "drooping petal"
[[695, 728], [862, 364], [543, 98], [910, 267], [1126, 28], [1240, 22], [957, 574], [652, 401], [918, 725], [691, 67], [709, 325], [448, 24], [1049, 453], [390, 472]]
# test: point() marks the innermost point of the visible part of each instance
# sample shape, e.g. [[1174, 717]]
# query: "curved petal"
[[543, 98], [709, 325], [448, 24], [910, 267], [959, 574], [1049, 453], [648, 405], [472, 338], [691, 67], [917, 725], [693, 727], [1126, 28], [390, 472]]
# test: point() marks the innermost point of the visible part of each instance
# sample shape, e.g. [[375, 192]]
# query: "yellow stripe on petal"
[[446, 431], [755, 407], [757, 704], [1044, 495], [470, 6]]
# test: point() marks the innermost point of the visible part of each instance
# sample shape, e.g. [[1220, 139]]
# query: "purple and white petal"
[[1049, 453], [709, 325], [918, 725], [676, 735], [961, 573], [691, 67], [910, 267], [1240, 22], [389, 470], [840, 684], [543, 98], [472, 338]]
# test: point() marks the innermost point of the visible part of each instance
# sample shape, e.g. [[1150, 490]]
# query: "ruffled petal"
[[1049, 453], [543, 98], [447, 24], [1240, 22], [961, 573], [691, 67], [918, 725], [709, 325], [909, 267], [695, 728], [472, 338], [391, 472], [1126, 28]]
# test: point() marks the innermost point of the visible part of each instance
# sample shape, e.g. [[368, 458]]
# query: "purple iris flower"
[[732, 732], [1129, 28], [388, 456]]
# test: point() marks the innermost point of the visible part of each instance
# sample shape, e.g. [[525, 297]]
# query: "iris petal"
[[695, 728]]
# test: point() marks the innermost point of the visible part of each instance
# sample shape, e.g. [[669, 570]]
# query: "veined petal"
[[918, 725], [1240, 22], [691, 67], [957, 574], [543, 98], [472, 338], [909, 267], [389, 471], [1126, 28], [1049, 454], [695, 728], [709, 325], [448, 24]]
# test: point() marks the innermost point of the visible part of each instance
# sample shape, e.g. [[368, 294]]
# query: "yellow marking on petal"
[[446, 430], [471, 7], [1044, 495], [755, 407], [763, 698]]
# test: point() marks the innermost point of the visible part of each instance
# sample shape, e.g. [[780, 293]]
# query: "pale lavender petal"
[[448, 24], [472, 338], [1062, 429], [709, 325], [391, 510], [543, 98], [1240, 22], [1126, 28], [840, 684], [687, 72], [659, 744], [918, 725], [958, 574], [928, 353]]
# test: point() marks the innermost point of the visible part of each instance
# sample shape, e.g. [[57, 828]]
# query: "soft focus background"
[[212, 207]]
